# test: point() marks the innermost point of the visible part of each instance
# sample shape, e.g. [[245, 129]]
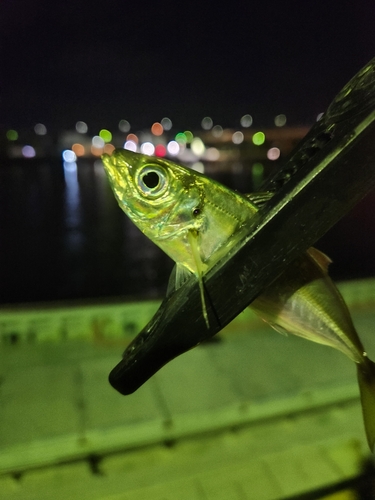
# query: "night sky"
[[105, 61]]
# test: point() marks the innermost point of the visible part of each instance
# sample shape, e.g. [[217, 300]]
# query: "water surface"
[[63, 236]]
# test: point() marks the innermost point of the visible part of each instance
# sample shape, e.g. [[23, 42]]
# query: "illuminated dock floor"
[[256, 415]]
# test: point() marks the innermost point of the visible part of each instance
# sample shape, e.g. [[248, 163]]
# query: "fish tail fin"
[[366, 381]]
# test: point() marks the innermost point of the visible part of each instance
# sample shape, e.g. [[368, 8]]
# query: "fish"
[[196, 221], [180, 210]]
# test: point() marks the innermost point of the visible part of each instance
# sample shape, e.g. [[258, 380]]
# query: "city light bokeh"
[[224, 148]]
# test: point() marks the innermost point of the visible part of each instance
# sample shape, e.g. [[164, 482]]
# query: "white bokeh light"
[[207, 123], [166, 123], [81, 127], [40, 129], [98, 142], [198, 167], [124, 126], [217, 131], [212, 154], [273, 154], [280, 120], [197, 146], [237, 137], [147, 148], [28, 151], [69, 156], [173, 148], [246, 121], [130, 146]]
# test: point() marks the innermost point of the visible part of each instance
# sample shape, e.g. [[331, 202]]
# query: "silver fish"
[[197, 221]]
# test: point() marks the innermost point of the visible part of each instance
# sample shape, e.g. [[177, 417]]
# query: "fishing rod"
[[328, 173]]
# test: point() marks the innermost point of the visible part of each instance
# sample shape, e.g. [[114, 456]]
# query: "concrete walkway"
[[257, 416]]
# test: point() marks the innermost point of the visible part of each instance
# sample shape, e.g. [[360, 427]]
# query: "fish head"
[[162, 198]]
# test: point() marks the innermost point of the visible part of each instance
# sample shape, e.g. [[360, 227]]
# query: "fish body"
[[196, 221], [193, 219], [167, 201]]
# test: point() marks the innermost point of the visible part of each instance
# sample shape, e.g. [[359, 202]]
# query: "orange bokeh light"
[[96, 151], [157, 128], [78, 149], [109, 148], [132, 137]]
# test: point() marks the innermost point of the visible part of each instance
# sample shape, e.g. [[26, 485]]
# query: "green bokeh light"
[[259, 138], [105, 135], [181, 138], [189, 135], [12, 135]]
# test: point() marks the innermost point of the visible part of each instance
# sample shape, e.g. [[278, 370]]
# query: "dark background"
[[103, 61], [62, 235]]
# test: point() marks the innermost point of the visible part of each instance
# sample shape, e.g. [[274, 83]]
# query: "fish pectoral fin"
[[193, 242], [178, 277], [171, 282], [182, 275]]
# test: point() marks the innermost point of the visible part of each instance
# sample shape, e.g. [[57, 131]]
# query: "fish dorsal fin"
[[320, 258], [193, 242], [178, 277], [259, 199]]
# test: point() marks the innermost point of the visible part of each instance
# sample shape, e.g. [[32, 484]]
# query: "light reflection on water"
[[63, 236], [74, 238]]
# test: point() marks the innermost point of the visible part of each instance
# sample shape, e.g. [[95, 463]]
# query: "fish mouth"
[[109, 163], [126, 157], [121, 158], [117, 169]]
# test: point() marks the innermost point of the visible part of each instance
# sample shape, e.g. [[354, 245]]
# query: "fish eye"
[[196, 211], [152, 180]]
